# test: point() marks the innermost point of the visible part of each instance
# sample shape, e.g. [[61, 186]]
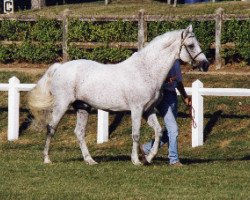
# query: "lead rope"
[[192, 115], [191, 111]]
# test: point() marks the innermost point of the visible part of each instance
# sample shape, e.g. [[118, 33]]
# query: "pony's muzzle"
[[201, 65], [204, 65]]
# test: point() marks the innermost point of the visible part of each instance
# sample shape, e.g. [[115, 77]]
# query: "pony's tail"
[[40, 99]]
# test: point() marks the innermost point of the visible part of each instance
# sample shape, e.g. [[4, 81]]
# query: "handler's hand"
[[188, 101]]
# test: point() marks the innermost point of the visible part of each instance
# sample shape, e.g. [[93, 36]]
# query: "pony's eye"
[[191, 46]]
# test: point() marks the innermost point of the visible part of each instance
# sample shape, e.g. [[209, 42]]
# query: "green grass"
[[132, 7], [217, 170]]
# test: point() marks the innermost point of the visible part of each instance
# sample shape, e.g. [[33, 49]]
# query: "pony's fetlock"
[[135, 160]]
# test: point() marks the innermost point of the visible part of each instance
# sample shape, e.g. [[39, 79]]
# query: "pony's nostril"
[[204, 65]]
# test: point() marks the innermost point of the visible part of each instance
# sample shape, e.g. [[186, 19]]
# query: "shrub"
[[49, 34], [237, 32], [37, 53]]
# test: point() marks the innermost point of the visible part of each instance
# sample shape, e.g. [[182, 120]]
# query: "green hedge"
[[237, 32], [118, 31], [45, 32], [42, 39], [105, 32]]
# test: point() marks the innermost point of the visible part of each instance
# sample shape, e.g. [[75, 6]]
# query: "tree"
[[37, 4]]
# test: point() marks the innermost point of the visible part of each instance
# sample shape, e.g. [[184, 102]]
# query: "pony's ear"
[[189, 28]]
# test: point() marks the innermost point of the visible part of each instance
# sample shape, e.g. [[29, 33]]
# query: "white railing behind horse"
[[197, 91], [14, 87], [197, 101]]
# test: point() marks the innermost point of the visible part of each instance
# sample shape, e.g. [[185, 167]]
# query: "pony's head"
[[190, 50]]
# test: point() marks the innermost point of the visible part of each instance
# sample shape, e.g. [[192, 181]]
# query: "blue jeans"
[[168, 110]]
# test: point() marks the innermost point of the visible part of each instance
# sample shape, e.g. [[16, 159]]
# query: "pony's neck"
[[159, 56]]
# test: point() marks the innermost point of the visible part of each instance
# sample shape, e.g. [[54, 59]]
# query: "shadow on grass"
[[214, 118], [27, 122], [116, 122], [188, 161], [159, 160]]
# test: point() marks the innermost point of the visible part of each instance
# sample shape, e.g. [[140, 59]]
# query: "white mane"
[[162, 41]]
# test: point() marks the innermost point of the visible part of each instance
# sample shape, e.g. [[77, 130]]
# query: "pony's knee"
[[160, 132]]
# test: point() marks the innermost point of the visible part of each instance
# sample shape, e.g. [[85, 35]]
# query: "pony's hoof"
[[137, 163], [91, 162], [47, 161], [147, 160]]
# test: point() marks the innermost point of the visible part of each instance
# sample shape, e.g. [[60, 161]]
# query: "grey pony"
[[132, 85]]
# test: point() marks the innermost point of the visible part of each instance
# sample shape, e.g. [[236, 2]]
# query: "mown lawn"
[[132, 7], [218, 170]]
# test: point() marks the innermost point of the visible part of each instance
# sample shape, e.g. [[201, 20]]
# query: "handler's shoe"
[[177, 164], [143, 155]]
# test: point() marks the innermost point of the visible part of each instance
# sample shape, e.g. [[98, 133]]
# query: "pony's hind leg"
[[57, 113], [50, 134], [82, 118], [154, 123]]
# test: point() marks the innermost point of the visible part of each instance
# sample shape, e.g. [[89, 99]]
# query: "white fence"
[[197, 91]]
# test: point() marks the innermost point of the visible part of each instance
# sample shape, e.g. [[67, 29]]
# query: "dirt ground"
[[236, 69]]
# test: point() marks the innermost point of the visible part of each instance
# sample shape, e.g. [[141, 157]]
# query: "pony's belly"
[[105, 102]]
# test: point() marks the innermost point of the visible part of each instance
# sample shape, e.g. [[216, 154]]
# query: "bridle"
[[182, 44]]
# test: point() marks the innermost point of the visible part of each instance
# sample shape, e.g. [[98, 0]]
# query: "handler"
[[168, 110]]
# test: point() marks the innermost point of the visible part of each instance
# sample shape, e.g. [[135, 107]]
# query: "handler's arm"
[[183, 93]]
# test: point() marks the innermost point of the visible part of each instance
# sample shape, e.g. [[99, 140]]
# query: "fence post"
[[13, 109], [218, 26], [197, 113], [142, 29], [102, 126], [175, 3], [65, 14]]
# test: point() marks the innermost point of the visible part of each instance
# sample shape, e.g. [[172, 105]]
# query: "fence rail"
[[197, 91], [142, 20], [135, 18]]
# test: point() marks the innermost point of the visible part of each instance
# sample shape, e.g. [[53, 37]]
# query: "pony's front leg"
[[136, 115], [154, 123], [82, 118]]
